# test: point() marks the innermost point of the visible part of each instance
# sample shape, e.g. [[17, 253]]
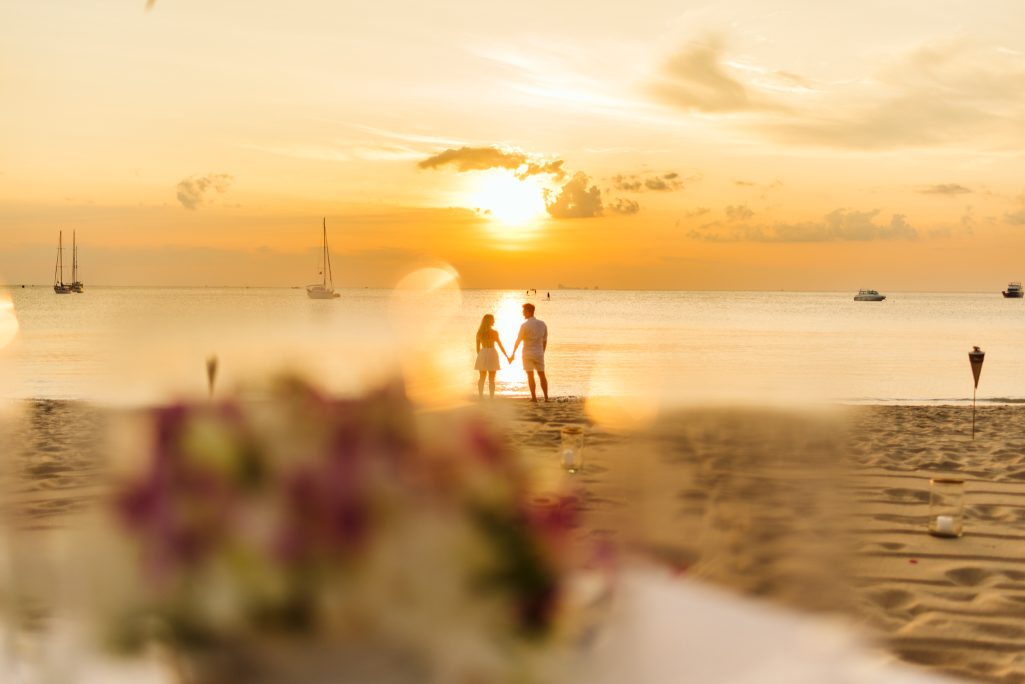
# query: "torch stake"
[[973, 411]]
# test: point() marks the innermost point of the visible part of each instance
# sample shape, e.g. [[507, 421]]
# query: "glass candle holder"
[[946, 507], [572, 448]]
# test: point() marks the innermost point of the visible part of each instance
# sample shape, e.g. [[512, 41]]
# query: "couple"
[[533, 335]]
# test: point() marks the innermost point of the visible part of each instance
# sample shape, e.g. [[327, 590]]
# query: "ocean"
[[130, 345]]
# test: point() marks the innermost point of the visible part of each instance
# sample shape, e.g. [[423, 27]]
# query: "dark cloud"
[[695, 79], [666, 182], [191, 191], [840, 225], [948, 189], [575, 199], [484, 158], [475, 159], [662, 185], [738, 212], [624, 206], [627, 183], [553, 168]]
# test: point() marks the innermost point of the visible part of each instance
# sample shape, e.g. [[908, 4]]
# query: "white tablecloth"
[[660, 630]]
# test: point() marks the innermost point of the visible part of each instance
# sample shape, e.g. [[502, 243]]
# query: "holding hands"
[[511, 357]]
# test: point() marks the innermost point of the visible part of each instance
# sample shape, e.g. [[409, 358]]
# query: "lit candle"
[[567, 458], [945, 524]]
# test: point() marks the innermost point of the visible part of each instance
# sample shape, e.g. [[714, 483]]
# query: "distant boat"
[[76, 284], [868, 296], [325, 289], [58, 269], [1014, 291]]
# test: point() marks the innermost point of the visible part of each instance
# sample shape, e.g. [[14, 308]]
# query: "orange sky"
[[735, 144]]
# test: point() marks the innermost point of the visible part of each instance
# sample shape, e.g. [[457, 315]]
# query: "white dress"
[[487, 358]]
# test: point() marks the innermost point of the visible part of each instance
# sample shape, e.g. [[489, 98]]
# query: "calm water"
[[145, 344]]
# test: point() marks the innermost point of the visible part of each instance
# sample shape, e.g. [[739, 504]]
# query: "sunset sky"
[[734, 144]]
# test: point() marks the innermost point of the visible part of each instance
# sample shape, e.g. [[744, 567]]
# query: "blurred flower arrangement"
[[341, 527]]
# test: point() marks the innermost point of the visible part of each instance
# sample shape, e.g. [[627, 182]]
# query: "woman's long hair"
[[486, 324]]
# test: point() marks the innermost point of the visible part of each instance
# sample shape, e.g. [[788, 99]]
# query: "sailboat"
[[325, 289], [58, 269], [76, 284]]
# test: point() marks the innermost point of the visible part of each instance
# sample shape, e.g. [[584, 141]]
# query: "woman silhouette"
[[487, 356]]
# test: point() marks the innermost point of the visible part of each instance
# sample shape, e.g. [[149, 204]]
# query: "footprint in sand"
[[968, 576], [890, 599], [999, 629], [901, 494], [892, 546]]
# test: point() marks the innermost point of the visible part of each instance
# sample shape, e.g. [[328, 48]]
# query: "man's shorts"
[[531, 363]]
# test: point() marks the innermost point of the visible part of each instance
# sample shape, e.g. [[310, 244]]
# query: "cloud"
[[936, 93], [627, 183], [841, 225], [192, 190], [553, 168], [575, 199], [663, 184], [915, 119], [475, 159], [738, 212], [695, 79], [700, 211], [624, 206], [948, 189], [666, 182], [484, 158], [1016, 218], [941, 92]]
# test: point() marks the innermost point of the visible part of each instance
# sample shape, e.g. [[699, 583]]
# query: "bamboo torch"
[[975, 357]]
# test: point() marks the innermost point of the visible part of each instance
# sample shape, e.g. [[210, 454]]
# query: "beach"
[[821, 511]]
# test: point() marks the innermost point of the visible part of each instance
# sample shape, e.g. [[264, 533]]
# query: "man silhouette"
[[534, 336]]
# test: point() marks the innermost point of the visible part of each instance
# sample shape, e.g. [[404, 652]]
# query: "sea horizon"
[[668, 347]]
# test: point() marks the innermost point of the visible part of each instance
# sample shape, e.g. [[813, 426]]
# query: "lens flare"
[[422, 307], [8, 320]]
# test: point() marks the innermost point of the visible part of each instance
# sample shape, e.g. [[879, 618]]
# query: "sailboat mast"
[[323, 255], [57, 263], [74, 258], [60, 254], [327, 257]]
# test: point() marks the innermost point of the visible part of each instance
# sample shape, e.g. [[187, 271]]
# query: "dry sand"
[[820, 511]]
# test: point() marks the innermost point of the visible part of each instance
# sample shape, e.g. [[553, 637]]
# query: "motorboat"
[[1014, 291], [869, 296]]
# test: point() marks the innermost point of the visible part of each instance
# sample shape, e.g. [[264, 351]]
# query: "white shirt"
[[534, 335]]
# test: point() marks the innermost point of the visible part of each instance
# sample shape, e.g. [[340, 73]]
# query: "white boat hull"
[[320, 292]]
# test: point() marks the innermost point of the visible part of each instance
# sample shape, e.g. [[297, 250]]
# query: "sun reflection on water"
[[508, 317], [8, 320]]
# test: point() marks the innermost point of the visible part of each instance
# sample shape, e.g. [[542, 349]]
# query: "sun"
[[500, 195]]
